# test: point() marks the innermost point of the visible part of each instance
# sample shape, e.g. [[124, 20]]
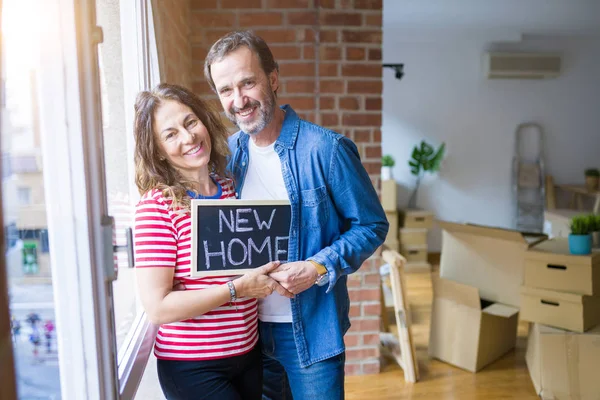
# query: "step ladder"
[[528, 178]]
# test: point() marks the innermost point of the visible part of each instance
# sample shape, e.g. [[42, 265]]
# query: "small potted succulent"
[[387, 163], [592, 178], [580, 239]]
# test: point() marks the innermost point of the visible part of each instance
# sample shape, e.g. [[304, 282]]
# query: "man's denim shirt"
[[337, 221]]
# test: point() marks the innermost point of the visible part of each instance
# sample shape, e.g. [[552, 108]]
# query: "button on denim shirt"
[[337, 221]]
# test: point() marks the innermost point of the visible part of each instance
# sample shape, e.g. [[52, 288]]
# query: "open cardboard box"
[[564, 365], [466, 331], [490, 259]]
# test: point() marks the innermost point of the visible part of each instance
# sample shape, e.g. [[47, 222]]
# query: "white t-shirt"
[[264, 181]]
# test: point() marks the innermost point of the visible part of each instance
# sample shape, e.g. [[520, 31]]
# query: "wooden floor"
[[507, 378]]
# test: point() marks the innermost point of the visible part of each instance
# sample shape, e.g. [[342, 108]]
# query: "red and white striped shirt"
[[162, 239]]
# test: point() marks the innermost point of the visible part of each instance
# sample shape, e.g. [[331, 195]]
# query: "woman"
[[206, 345]]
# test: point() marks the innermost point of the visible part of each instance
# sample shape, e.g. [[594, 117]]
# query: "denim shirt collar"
[[289, 130]]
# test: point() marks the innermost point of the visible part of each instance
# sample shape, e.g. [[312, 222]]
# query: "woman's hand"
[[258, 284]]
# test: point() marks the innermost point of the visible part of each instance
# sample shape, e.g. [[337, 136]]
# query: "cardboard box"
[[392, 217], [392, 245], [564, 365], [413, 237], [490, 259], [465, 332], [570, 311], [550, 265], [414, 253], [389, 195], [417, 267], [416, 219]]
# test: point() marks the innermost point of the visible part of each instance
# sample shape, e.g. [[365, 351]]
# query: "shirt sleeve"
[[357, 204], [155, 235]]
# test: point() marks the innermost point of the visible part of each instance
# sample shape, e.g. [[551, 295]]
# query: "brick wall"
[[330, 58], [172, 27]]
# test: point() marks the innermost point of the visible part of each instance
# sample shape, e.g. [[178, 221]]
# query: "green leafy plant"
[[593, 223], [580, 225], [387, 161], [424, 159], [592, 172]]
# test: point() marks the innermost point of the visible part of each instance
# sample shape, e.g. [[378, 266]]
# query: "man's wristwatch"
[[323, 277]]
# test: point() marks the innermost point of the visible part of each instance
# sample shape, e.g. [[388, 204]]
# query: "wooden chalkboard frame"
[[198, 203]]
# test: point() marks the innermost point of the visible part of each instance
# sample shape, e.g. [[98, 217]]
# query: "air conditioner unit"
[[522, 65]]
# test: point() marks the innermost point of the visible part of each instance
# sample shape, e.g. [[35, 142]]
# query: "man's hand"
[[296, 276], [258, 284]]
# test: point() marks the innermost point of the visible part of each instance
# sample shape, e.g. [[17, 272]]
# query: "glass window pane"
[[24, 211]]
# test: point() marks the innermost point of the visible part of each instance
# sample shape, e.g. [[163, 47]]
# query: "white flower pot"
[[386, 173]]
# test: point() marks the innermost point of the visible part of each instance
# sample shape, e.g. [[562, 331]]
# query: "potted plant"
[[592, 178], [424, 159], [387, 163], [580, 240]]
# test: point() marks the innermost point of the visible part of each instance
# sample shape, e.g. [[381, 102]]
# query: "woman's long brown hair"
[[152, 170]]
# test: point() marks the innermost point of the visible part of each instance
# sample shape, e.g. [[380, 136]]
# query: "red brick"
[[374, 54], [329, 69], [299, 103], [260, 19], [370, 339], [298, 86], [297, 69], [374, 20], [206, 19], [377, 136], [372, 167], [329, 36], [373, 103], [373, 367], [368, 4], [371, 310], [365, 86], [327, 103], [355, 53], [373, 151], [286, 52], [362, 36], [354, 280], [302, 18], [277, 35], [344, 4], [362, 136], [329, 119], [327, 53], [352, 340], [341, 19], [203, 4], [362, 354], [289, 3], [241, 4], [305, 35], [364, 294], [327, 3], [351, 369], [331, 86], [354, 310], [308, 52], [357, 119], [349, 103], [372, 278], [362, 70], [364, 325]]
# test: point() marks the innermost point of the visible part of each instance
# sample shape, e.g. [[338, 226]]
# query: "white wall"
[[444, 97]]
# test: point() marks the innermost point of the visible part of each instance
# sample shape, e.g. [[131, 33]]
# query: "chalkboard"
[[230, 237]]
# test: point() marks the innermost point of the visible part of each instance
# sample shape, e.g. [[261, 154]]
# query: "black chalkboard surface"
[[230, 237]]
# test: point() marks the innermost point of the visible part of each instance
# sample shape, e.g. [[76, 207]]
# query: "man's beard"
[[266, 111]]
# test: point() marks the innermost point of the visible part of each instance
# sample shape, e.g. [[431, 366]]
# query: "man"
[[337, 220]]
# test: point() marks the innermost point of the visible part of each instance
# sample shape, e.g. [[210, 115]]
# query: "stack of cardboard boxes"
[[411, 239], [477, 296], [561, 297]]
